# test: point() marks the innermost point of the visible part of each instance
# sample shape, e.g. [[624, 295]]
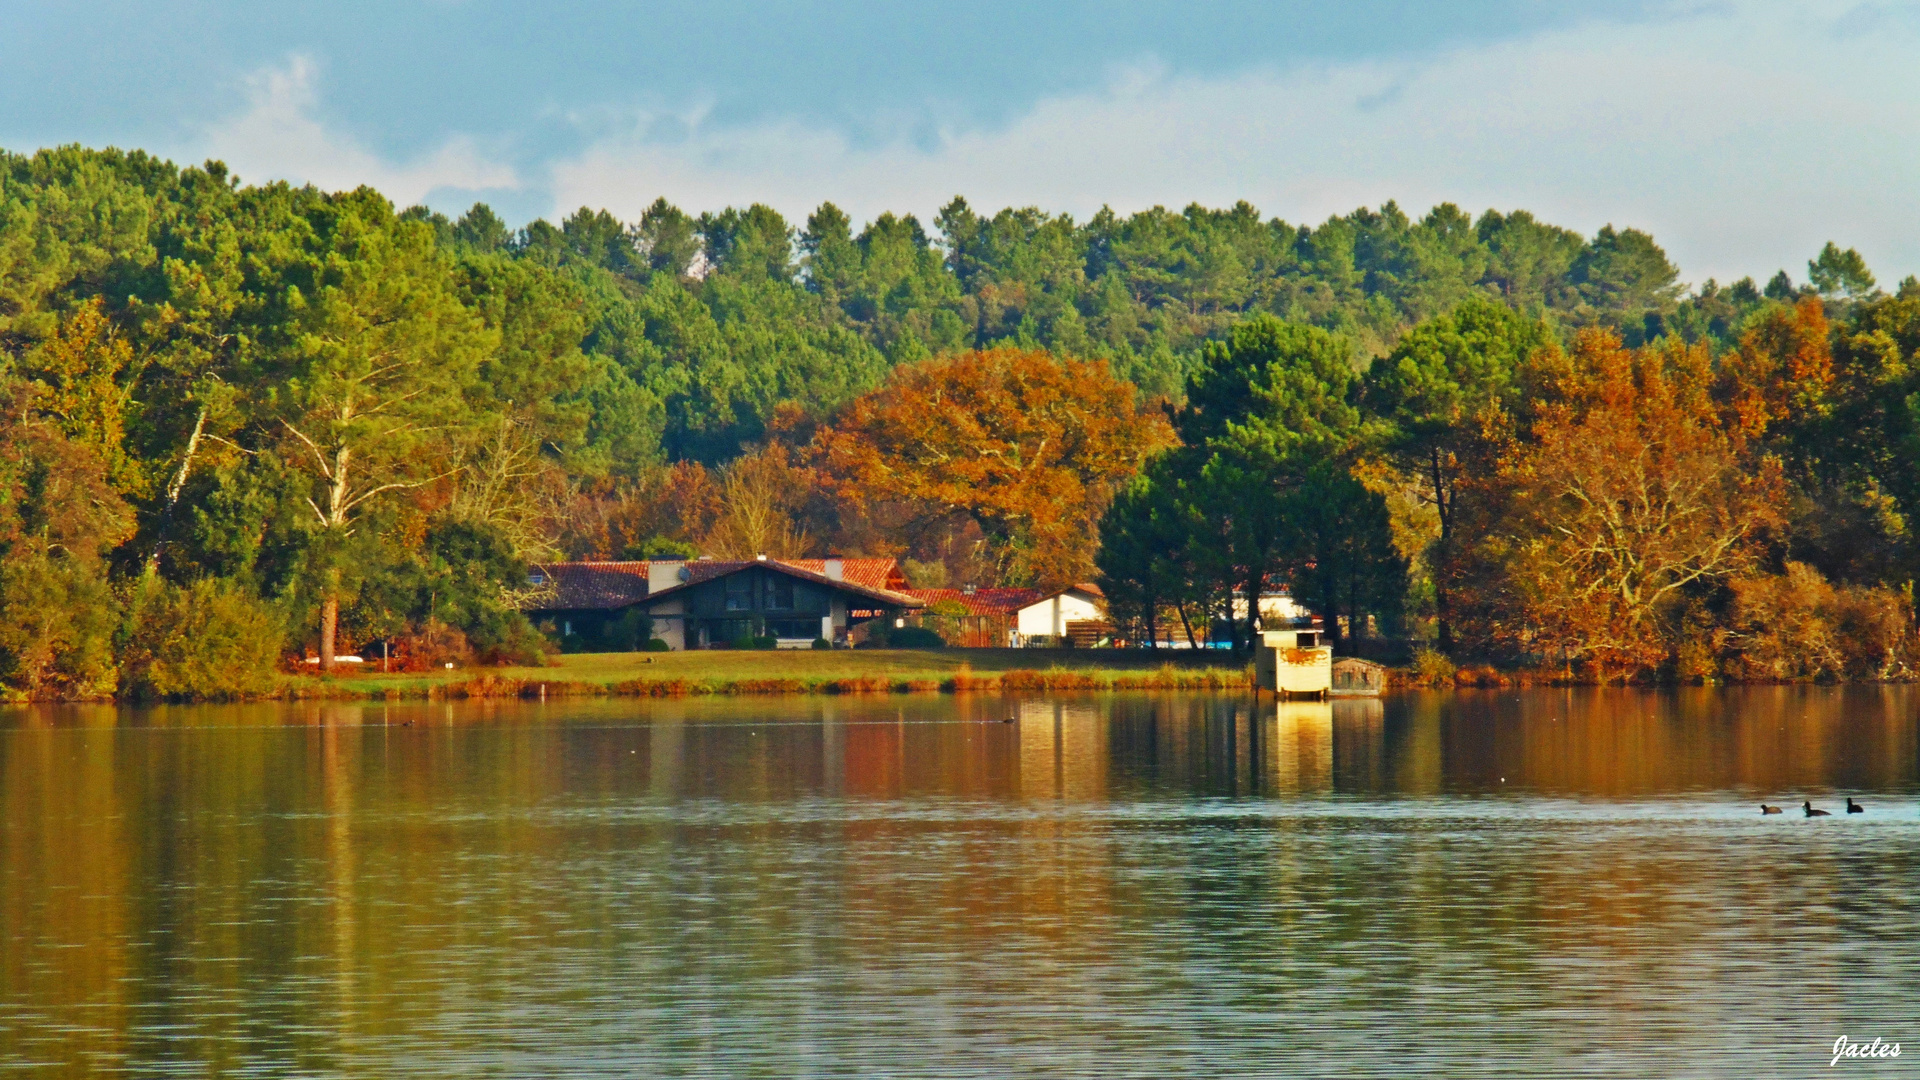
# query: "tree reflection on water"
[[1563, 880]]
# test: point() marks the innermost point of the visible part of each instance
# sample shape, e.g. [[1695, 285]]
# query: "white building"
[[1048, 620], [1276, 609]]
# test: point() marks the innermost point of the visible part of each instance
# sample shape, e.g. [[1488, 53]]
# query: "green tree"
[[1840, 273], [828, 256], [1623, 272], [1266, 414], [1861, 450], [1342, 556], [667, 239], [748, 245], [1437, 391], [376, 362], [1527, 260], [481, 231]]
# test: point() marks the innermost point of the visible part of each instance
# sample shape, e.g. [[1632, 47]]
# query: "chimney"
[[836, 569], [664, 574], [967, 589]]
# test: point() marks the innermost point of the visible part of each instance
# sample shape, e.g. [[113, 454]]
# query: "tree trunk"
[[1331, 606], [1440, 504], [178, 485], [336, 518], [1254, 583], [329, 623], [1186, 624], [1322, 598], [1356, 619]]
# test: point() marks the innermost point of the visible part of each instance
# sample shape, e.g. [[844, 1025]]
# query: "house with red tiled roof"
[[974, 618], [1016, 618], [706, 603]]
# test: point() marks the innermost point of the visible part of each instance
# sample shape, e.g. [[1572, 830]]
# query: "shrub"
[[924, 575], [905, 637], [57, 618], [430, 646], [512, 642], [656, 645], [1432, 668], [209, 640], [631, 631], [766, 643], [660, 547], [1798, 625], [822, 643]]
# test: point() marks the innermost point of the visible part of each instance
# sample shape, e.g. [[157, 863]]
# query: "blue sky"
[[1743, 133]]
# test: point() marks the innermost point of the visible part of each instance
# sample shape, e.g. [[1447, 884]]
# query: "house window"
[[779, 593], [740, 593], [794, 628]]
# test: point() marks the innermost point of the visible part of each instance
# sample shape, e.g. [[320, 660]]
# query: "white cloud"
[[279, 137], [1741, 135]]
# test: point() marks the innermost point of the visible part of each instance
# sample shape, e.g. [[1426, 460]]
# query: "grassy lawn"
[[720, 668]]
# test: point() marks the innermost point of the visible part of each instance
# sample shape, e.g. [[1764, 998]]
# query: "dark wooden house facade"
[[707, 603]]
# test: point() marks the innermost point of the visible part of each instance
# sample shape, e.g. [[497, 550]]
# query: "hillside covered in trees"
[[243, 419]]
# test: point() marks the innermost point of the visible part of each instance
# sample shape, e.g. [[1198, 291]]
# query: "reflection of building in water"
[[1063, 750], [1298, 754]]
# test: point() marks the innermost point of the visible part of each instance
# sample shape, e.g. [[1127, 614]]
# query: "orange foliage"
[[1784, 367], [1798, 625], [678, 503], [1028, 446], [762, 497], [1625, 492]]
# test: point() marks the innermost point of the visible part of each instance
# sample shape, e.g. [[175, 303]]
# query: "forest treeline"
[[1555, 499], [253, 420]]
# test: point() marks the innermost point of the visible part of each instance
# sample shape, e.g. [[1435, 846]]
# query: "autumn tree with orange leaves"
[[1027, 446], [1626, 490]]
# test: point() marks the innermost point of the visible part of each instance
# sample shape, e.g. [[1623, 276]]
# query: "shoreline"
[[489, 687], [1018, 680], [716, 674], [800, 673]]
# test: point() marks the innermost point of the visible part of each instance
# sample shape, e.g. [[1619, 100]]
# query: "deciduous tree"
[[1625, 493], [1028, 446]]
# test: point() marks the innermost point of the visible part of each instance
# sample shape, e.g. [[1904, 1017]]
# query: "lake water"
[[1475, 884]]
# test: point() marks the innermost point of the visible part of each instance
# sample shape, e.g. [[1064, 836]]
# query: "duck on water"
[[1852, 808]]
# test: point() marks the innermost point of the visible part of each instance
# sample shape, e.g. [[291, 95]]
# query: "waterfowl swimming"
[[1854, 807], [1765, 809], [1811, 812]]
